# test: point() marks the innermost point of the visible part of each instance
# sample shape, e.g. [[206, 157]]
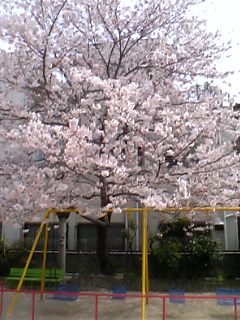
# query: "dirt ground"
[[112, 309]]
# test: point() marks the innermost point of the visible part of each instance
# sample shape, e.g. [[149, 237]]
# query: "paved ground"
[[128, 309]]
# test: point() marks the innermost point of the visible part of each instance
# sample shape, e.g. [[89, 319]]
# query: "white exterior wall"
[[231, 231]]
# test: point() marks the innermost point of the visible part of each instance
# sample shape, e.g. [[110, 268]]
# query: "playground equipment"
[[144, 211]]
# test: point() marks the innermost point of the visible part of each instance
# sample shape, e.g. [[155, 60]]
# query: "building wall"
[[227, 234]]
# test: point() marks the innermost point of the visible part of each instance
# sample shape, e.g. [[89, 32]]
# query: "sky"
[[223, 15]]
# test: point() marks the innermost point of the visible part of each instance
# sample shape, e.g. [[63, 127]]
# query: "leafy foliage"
[[176, 255], [203, 256], [13, 255], [129, 234], [166, 259], [174, 228], [132, 262]]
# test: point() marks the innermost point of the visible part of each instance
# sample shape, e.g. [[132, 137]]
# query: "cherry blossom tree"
[[111, 114]]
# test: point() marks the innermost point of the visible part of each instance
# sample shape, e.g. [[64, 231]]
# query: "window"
[[115, 240], [87, 237], [30, 233]]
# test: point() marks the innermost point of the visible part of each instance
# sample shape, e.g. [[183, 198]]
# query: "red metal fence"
[[163, 298]]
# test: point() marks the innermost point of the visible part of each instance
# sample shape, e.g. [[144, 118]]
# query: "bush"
[[174, 229], [165, 259], [202, 256], [14, 255], [199, 257]]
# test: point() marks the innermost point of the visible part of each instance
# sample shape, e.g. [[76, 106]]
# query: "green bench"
[[34, 275]]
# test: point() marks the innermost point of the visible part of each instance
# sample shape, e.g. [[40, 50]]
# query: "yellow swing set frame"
[[144, 211]]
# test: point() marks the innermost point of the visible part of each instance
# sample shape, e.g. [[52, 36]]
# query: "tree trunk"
[[62, 231], [105, 263]]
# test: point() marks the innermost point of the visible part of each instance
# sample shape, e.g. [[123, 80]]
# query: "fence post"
[[235, 309], [1, 299], [33, 305], [164, 308], [96, 307]]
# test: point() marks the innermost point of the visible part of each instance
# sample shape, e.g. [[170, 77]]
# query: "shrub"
[[166, 258], [130, 234], [174, 229], [14, 255], [203, 256]]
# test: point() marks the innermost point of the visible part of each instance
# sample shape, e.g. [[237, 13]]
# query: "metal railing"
[[164, 298]]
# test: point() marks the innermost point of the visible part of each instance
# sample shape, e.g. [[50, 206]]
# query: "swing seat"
[[119, 289], [223, 294], [67, 292], [176, 296]]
